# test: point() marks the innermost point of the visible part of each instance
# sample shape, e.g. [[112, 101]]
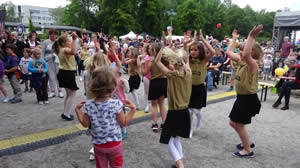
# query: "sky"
[[269, 5]]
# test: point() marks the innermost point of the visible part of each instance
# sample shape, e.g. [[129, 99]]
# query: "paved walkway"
[[275, 132]]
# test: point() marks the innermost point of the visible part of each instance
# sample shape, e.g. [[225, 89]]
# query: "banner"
[[2, 20]]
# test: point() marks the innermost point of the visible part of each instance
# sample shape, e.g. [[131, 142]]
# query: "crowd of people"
[[181, 70]]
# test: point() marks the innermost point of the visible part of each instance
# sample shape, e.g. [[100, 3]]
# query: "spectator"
[[286, 49], [32, 41], [215, 69], [268, 50], [19, 44]]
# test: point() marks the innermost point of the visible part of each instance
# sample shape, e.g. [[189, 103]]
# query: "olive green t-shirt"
[[198, 70], [245, 83], [132, 69], [155, 72], [179, 89], [66, 62], [84, 54]]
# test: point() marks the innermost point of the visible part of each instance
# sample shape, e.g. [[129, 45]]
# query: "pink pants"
[[113, 156]]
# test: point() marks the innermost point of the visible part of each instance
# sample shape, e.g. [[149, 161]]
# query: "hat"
[[290, 60]]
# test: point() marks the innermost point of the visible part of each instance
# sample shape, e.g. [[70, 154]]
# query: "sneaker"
[[63, 116], [80, 78], [6, 99], [240, 147], [229, 89], [286, 107], [60, 94], [92, 158], [30, 90], [22, 82], [92, 151], [15, 100], [154, 127], [146, 109], [40, 103], [209, 89], [52, 94], [161, 125], [26, 90], [276, 104], [46, 102], [124, 135], [249, 155]]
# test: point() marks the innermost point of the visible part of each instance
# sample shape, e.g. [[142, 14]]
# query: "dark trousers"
[[80, 67], [285, 91], [41, 93]]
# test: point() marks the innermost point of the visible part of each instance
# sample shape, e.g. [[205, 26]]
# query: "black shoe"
[[22, 82], [161, 125], [154, 127], [240, 147], [286, 107], [276, 104], [30, 90], [26, 90], [13, 101], [63, 116]]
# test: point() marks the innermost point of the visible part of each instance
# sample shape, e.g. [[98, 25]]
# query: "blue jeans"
[[283, 59], [210, 78]]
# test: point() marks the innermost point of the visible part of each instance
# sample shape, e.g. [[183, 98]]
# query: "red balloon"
[[219, 25], [299, 40]]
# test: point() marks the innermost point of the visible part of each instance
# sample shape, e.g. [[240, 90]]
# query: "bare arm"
[[230, 53], [212, 51], [125, 119], [72, 51], [82, 117], [161, 66], [248, 48]]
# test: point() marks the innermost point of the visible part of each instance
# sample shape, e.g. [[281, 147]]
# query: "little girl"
[[268, 63], [177, 123], [39, 81], [104, 116], [134, 77], [84, 54], [247, 104], [66, 50], [157, 87], [6, 99], [142, 62], [198, 61], [24, 63]]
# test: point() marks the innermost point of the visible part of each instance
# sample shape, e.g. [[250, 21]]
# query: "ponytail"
[[55, 47]]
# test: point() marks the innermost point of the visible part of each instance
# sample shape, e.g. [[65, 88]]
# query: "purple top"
[[1, 69]]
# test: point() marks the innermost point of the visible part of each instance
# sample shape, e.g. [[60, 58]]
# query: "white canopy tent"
[[130, 35]]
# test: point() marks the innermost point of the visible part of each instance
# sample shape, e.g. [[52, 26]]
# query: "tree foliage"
[[117, 17], [10, 12]]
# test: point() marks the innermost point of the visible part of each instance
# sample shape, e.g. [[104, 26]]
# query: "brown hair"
[[256, 51], [102, 81], [59, 43], [52, 31], [27, 50], [155, 48], [97, 60], [11, 46], [201, 49]]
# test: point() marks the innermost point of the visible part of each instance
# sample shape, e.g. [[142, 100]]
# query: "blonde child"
[[268, 63], [24, 63], [177, 123], [39, 80], [198, 61], [104, 116], [133, 72], [66, 50], [247, 104]]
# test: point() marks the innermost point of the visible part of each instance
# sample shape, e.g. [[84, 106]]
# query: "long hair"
[[201, 49], [177, 58], [59, 43]]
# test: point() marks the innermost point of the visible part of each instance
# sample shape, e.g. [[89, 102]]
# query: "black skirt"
[[177, 123], [134, 82], [67, 79], [198, 97], [157, 88], [245, 107]]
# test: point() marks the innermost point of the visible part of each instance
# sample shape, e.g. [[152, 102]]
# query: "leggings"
[[112, 156], [146, 89], [175, 148]]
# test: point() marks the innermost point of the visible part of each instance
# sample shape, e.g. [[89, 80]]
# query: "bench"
[[225, 75], [264, 89]]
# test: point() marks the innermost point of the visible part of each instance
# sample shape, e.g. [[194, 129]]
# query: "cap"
[[290, 60]]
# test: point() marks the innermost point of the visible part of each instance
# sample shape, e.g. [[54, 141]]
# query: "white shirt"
[[24, 64]]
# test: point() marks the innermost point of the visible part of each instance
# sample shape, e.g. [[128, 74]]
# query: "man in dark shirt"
[[215, 69], [290, 83]]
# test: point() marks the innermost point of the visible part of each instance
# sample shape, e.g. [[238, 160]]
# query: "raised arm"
[[160, 65], [72, 51], [118, 62], [211, 50], [248, 48], [230, 52]]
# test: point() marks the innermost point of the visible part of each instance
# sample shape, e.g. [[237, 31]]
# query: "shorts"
[[266, 71]]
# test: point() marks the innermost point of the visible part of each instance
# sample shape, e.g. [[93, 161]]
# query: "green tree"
[[31, 26], [10, 12], [58, 15]]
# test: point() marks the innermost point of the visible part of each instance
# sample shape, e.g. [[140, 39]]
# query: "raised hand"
[[186, 38], [163, 38], [201, 35], [256, 30], [80, 105], [195, 36], [235, 34], [74, 35]]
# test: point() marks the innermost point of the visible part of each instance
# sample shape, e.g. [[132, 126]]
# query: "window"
[[32, 11]]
